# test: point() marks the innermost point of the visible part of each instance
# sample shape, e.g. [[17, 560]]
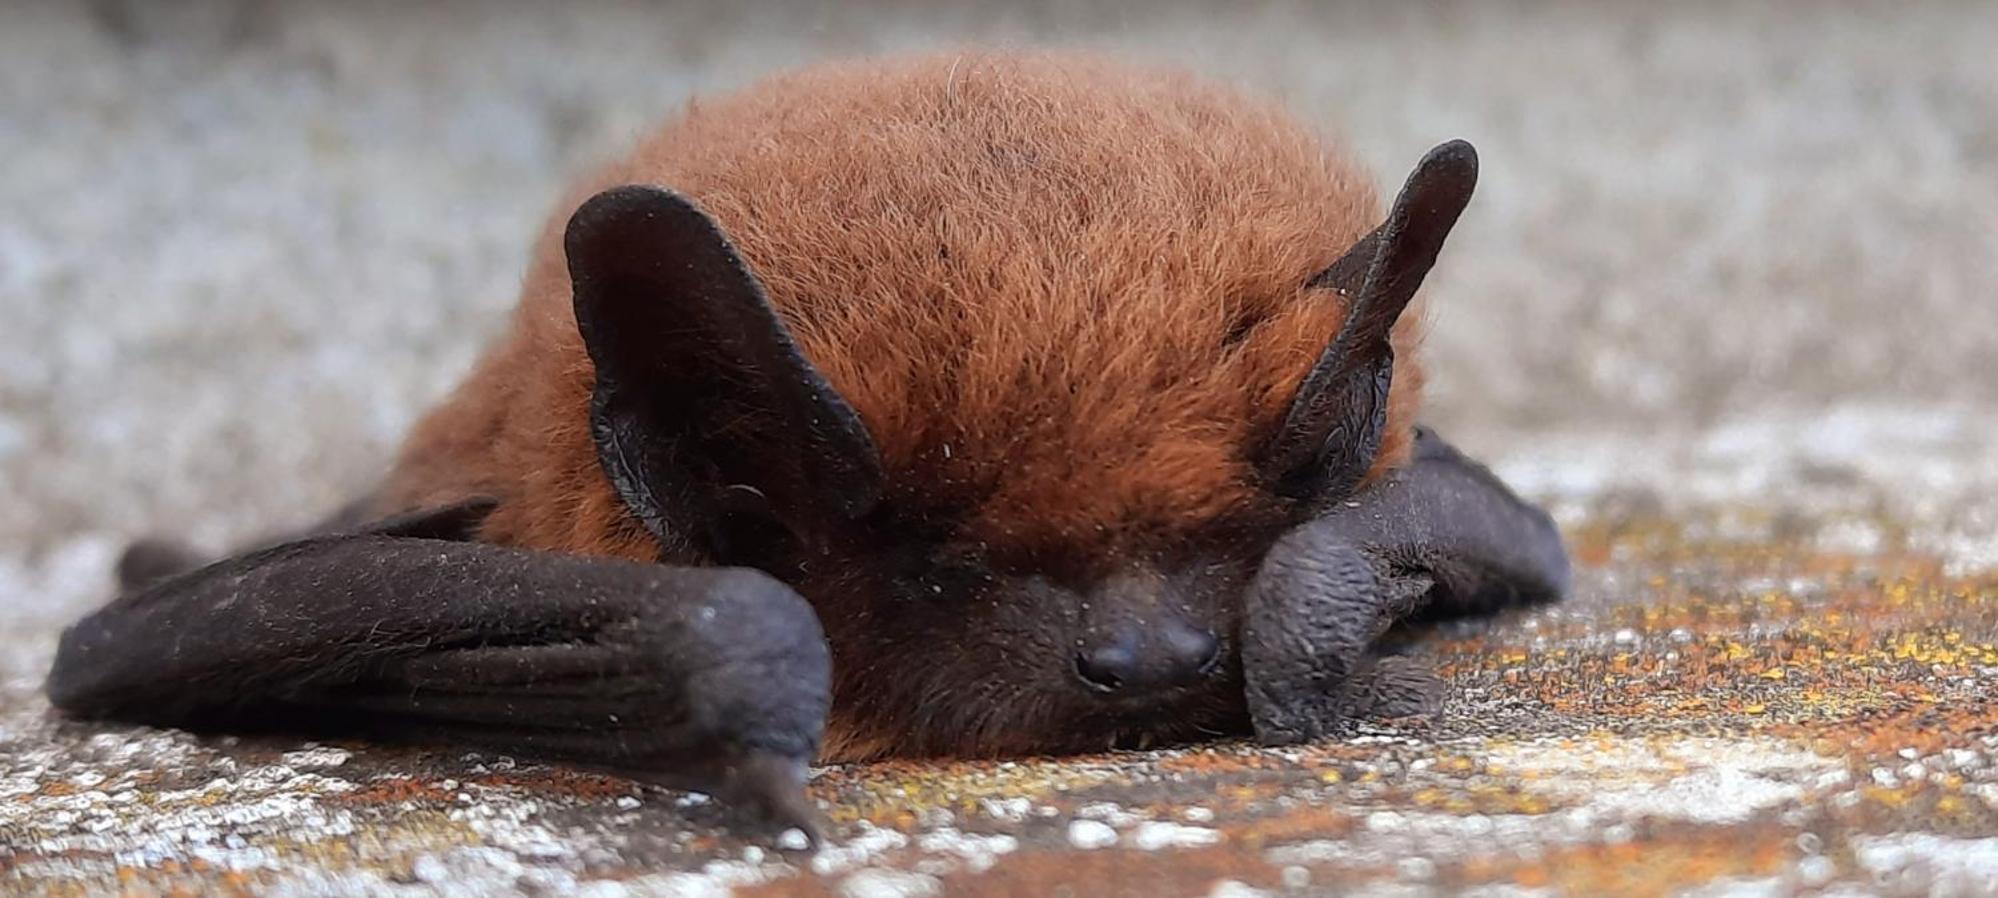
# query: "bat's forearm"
[[689, 676], [1439, 536]]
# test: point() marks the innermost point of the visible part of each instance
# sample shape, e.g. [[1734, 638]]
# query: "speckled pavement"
[[1724, 303]]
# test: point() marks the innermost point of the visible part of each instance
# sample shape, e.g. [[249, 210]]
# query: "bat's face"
[[948, 643], [1036, 598]]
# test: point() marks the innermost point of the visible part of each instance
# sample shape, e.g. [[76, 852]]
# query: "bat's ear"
[[1330, 434], [702, 398]]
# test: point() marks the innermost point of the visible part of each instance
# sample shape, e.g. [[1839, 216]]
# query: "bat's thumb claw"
[[772, 786], [148, 561]]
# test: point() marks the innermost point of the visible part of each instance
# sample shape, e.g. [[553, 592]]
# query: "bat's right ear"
[[700, 389], [1336, 421]]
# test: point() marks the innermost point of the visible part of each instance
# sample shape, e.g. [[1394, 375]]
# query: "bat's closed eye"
[[745, 530], [951, 572]]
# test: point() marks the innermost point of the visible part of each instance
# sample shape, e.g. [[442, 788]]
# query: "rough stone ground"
[[1725, 302]]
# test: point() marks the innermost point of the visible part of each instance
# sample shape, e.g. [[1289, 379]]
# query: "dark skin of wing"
[[1440, 537], [718, 679], [703, 678]]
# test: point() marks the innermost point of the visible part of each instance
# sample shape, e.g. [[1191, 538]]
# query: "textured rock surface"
[[1724, 301], [1733, 701]]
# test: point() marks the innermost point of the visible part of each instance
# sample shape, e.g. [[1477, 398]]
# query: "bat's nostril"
[[1212, 660], [1130, 660], [1105, 669], [1197, 651]]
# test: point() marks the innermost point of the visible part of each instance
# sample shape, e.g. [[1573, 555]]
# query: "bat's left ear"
[[702, 397], [1333, 428]]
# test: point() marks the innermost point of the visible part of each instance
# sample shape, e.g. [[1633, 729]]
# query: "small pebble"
[[1091, 834], [793, 839], [1160, 834]]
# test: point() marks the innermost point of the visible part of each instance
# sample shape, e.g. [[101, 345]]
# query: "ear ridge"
[[1333, 426], [688, 349]]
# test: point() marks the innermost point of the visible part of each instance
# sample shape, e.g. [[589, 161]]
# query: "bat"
[[966, 405]]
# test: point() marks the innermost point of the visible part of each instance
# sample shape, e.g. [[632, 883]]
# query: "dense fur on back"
[[1066, 297]]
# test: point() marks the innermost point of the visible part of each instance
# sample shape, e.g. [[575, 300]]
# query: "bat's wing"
[[1439, 537], [704, 678], [1447, 518]]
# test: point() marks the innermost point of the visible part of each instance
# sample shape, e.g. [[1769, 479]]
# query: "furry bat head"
[[1014, 366]]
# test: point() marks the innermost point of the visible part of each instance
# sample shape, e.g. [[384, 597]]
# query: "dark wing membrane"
[[691, 677]]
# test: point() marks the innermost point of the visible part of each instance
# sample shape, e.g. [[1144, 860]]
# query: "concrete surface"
[[1724, 301]]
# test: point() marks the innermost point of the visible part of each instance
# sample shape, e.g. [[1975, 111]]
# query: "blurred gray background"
[[1731, 250]]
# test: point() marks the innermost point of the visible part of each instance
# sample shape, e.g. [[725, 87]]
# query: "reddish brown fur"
[[1070, 289]]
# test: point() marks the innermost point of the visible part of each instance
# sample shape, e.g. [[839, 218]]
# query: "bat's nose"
[[1133, 659]]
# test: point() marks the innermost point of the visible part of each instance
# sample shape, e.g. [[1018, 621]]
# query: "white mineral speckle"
[[1722, 795], [1741, 887], [794, 839], [1006, 808], [317, 756], [1091, 834], [889, 884], [429, 868], [1108, 812], [1953, 865], [1157, 834], [864, 848], [976, 852]]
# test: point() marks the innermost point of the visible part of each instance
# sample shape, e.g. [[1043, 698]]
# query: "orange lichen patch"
[[1248, 793], [1222, 761], [1308, 822], [556, 779], [393, 790], [1921, 730], [1483, 798], [193, 878], [1691, 631], [1107, 873], [1935, 807], [792, 887], [174, 880], [894, 792], [1658, 865], [1118, 872]]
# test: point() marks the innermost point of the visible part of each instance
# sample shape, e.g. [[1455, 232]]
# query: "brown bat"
[[968, 405]]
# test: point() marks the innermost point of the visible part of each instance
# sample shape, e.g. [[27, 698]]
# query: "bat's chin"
[[1022, 724], [1090, 736], [1139, 726]]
